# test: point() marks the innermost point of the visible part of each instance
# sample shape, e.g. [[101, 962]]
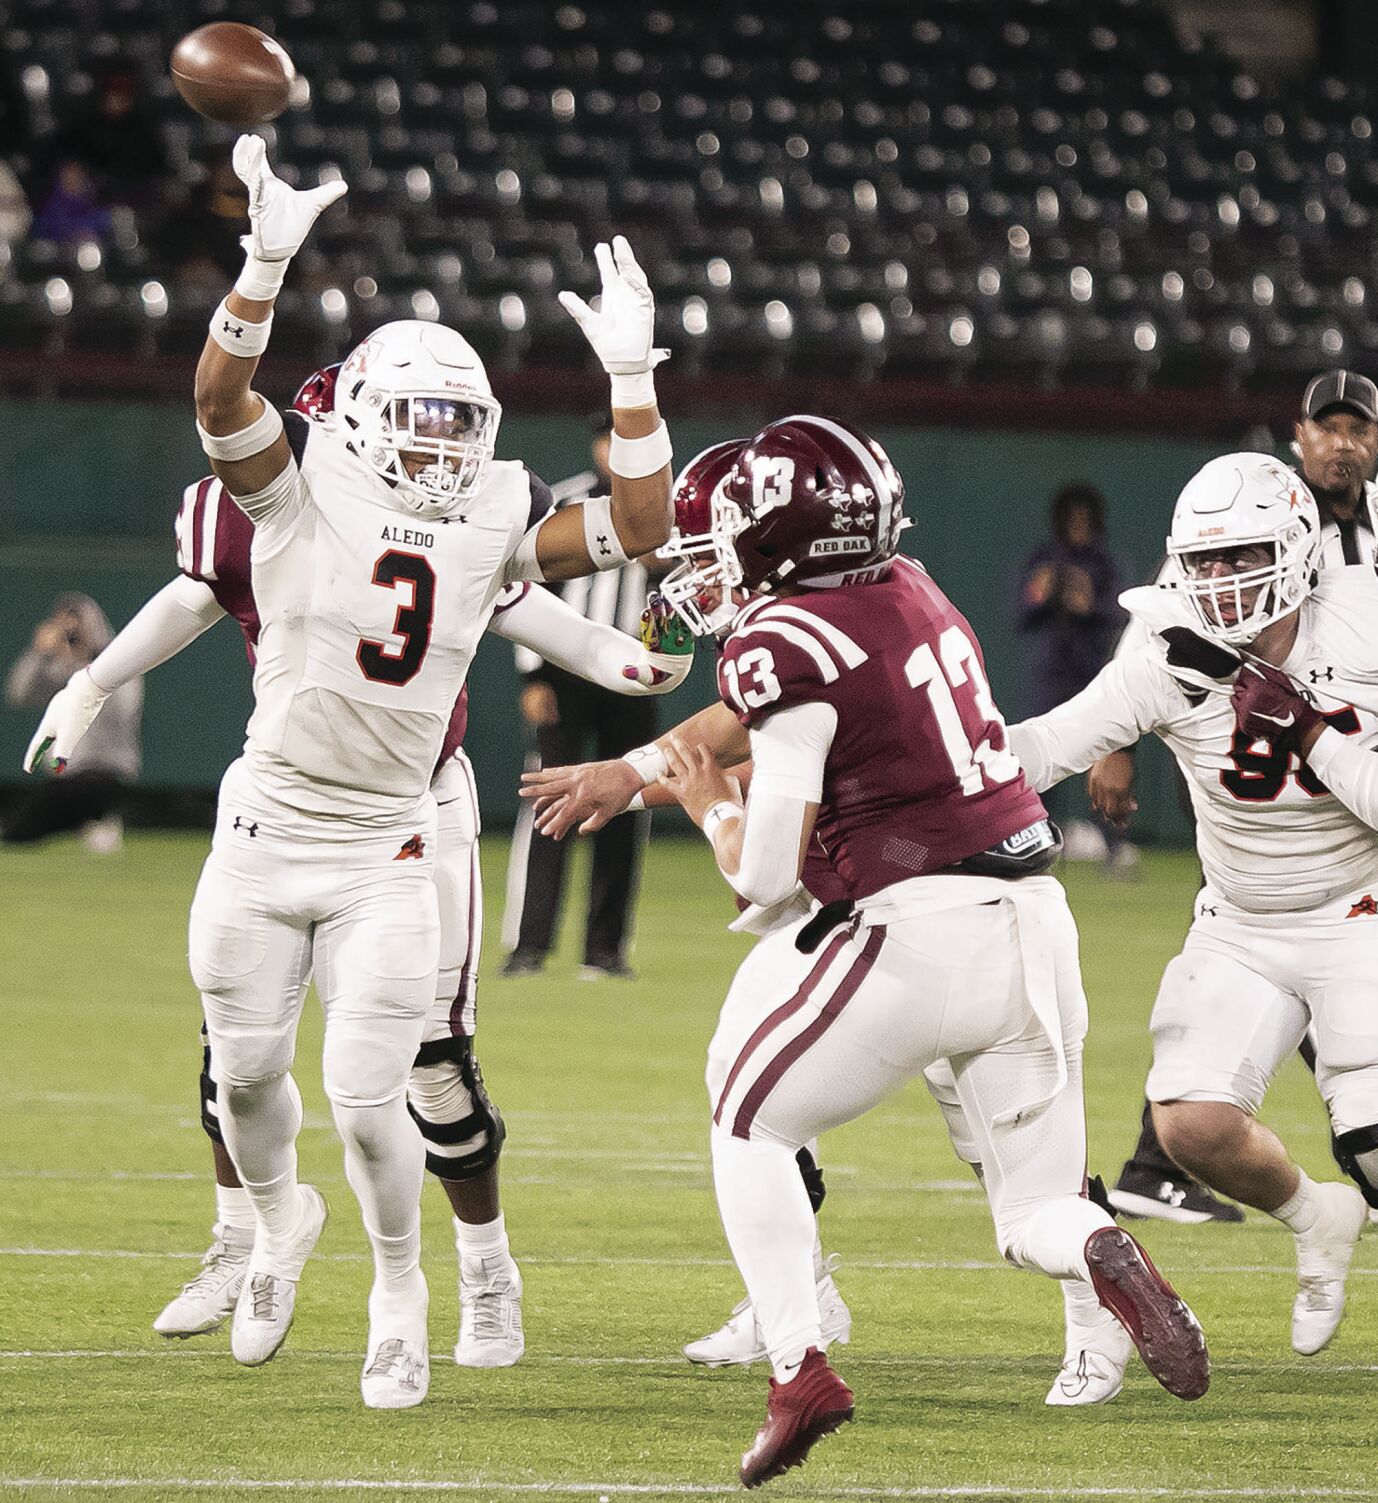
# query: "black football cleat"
[[1167, 1334], [1149, 1193], [814, 1403]]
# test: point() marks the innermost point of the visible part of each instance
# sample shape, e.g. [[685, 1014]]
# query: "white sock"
[[482, 1239], [771, 1230], [260, 1124], [1301, 1210], [385, 1164], [234, 1209], [1081, 1309]]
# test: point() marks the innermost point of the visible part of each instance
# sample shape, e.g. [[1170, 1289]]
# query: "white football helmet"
[[419, 389], [1238, 501]]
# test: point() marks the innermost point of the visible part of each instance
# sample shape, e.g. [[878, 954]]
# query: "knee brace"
[[462, 1130], [812, 1176], [1356, 1152], [210, 1112]]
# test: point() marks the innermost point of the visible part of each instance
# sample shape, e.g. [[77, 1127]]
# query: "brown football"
[[232, 73]]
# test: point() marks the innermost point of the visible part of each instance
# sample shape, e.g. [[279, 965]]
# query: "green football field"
[[107, 1204]]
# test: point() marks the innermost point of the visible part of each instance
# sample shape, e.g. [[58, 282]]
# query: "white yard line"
[[180, 1351], [608, 1490], [592, 1260]]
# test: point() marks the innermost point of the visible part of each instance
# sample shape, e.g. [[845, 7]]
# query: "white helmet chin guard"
[[418, 391], [1237, 502]]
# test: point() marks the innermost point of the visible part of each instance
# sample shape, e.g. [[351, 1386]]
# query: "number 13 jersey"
[[919, 775], [370, 617]]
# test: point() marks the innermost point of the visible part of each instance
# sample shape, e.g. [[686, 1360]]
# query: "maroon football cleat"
[[1167, 1334], [814, 1403]]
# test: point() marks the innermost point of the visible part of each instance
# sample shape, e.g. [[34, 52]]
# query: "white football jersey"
[[370, 619], [1271, 836]]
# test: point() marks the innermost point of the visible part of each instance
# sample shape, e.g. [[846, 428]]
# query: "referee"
[[565, 713]]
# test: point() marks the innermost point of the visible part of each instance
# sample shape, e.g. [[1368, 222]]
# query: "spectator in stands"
[[201, 241], [1069, 609], [15, 217], [116, 137], [71, 212], [89, 793]]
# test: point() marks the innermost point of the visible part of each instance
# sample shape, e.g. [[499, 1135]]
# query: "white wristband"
[[637, 390], [237, 336], [261, 280], [600, 536], [258, 436], [649, 762], [718, 815], [635, 458]]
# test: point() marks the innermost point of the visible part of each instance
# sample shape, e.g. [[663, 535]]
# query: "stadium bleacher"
[[1032, 191]]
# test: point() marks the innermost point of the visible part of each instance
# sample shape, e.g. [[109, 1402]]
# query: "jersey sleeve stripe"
[[852, 656], [210, 517], [827, 669]]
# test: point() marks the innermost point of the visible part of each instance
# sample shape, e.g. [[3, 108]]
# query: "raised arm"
[[240, 431], [606, 533], [162, 627]]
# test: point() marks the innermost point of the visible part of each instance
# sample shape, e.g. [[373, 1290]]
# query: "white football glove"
[[280, 218], [623, 325], [66, 720]]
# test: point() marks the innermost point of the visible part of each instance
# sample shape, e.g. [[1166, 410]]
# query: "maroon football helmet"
[[317, 395], [696, 587], [820, 503]]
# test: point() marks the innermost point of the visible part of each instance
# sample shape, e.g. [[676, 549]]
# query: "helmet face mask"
[[1236, 506], [414, 406], [705, 584]]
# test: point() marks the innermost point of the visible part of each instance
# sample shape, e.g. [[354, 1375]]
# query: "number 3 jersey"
[[918, 775], [370, 617], [1271, 836]]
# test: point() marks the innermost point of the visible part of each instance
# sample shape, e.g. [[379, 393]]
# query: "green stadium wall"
[[88, 492]]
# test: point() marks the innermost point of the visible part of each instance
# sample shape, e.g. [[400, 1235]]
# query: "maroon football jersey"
[[919, 774], [214, 541]]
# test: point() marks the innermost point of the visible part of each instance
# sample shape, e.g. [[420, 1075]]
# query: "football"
[[233, 73]]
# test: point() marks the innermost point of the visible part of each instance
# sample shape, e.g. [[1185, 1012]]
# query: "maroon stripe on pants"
[[466, 974], [781, 1014], [769, 1078], [199, 565]]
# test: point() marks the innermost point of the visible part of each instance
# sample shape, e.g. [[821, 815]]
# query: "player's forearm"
[[225, 399], [162, 627], [1349, 771], [715, 727], [641, 508], [1105, 717], [544, 624]]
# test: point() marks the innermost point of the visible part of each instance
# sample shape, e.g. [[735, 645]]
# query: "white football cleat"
[[739, 1343], [490, 1313], [208, 1301], [1097, 1351], [267, 1302], [1323, 1256], [397, 1375]]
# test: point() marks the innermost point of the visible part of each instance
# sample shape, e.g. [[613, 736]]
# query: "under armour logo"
[[236, 329], [1322, 675], [1208, 912], [604, 547], [241, 824]]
